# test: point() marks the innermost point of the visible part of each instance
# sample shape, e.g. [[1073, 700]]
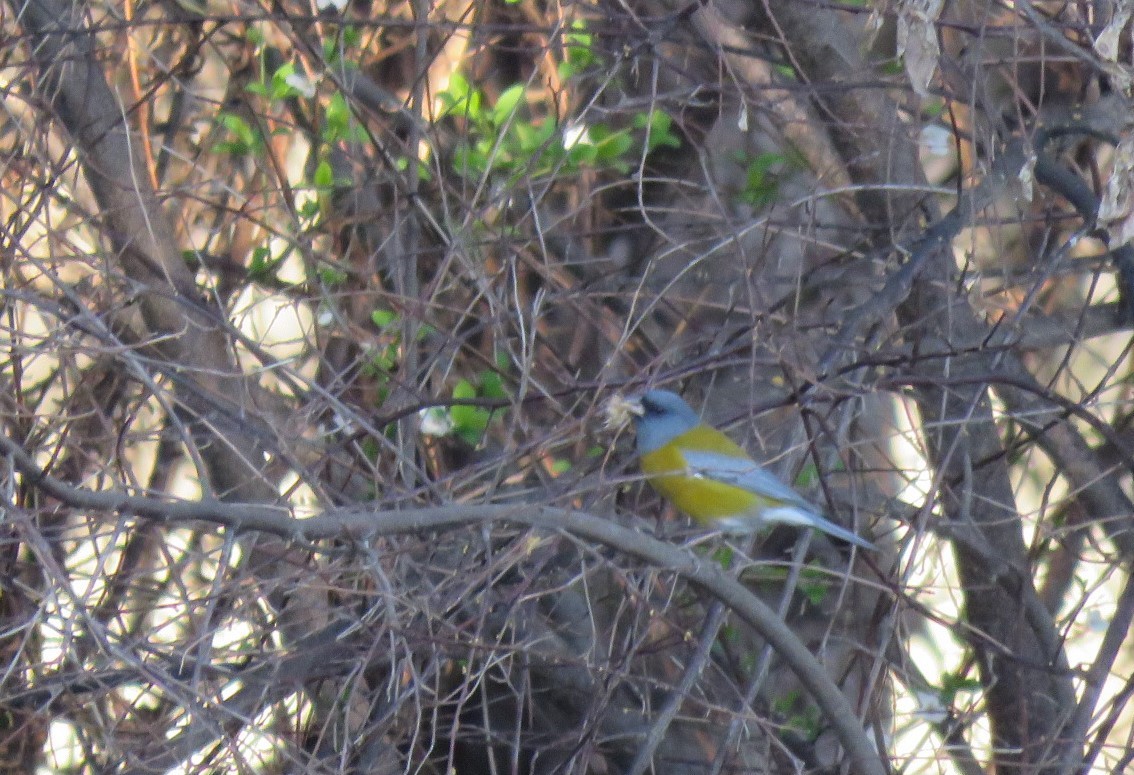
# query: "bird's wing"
[[747, 474], [744, 473]]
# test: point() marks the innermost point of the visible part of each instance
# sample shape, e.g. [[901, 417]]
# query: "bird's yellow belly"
[[705, 500], [702, 499]]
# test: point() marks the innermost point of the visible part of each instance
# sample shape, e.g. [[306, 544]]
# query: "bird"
[[710, 477]]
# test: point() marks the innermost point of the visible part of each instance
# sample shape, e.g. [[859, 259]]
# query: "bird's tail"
[[794, 515]]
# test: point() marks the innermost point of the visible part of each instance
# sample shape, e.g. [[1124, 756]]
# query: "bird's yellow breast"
[[702, 499]]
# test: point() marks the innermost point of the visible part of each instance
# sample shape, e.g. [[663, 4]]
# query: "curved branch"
[[366, 524]]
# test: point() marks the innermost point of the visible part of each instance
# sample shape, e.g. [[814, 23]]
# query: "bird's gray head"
[[663, 416]]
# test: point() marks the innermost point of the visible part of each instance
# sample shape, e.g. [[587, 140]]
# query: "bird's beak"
[[620, 410]]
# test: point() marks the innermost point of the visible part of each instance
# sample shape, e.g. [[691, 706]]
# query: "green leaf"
[[723, 556], [815, 593], [470, 422], [460, 99], [262, 266], [332, 277], [337, 119], [331, 51], [492, 385], [382, 362], [507, 104], [309, 209], [383, 317], [785, 702], [582, 154], [613, 148], [464, 389], [401, 164], [895, 66], [814, 583], [660, 129], [933, 109], [469, 162], [953, 684], [281, 89], [762, 183], [535, 136], [599, 133], [245, 138], [457, 91], [371, 449], [808, 475], [324, 177], [798, 715], [579, 46]]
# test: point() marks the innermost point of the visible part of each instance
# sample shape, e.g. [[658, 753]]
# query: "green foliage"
[[600, 146], [331, 277], [815, 582], [933, 108], [896, 66], [506, 104], [281, 85], [560, 466], [723, 556], [808, 475], [461, 100], [578, 53], [382, 360], [333, 115], [324, 177], [730, 633], [309, 210], [242, 138], [469, 422], [383, 318], [263, 266], [659, 130], [953, 684], [762, 180], [339, 123], [335, 46], [324, 182], [465, 420], [799, 716], [401, 163], [492, 384], [515, 136]]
